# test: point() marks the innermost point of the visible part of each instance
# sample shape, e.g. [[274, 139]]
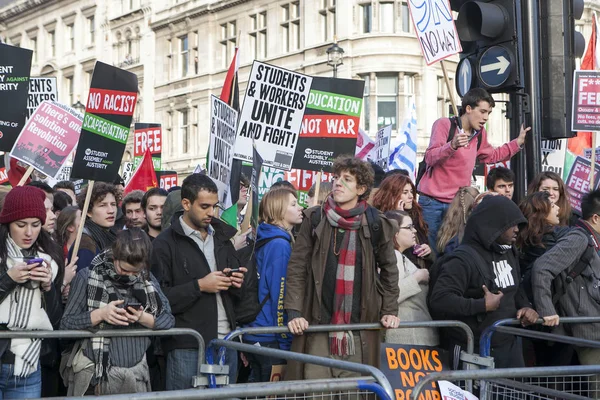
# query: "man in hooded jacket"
[[479, 283]]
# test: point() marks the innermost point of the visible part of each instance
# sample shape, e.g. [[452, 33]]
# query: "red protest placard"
[[48, 138], [586, 101]]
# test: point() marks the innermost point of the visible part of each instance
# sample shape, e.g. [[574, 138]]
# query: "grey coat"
[[582, 297], [412, 306]]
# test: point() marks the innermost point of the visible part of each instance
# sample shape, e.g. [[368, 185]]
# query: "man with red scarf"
[[335, 276]]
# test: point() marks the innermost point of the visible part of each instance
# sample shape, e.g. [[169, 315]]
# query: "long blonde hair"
[[456, 217]]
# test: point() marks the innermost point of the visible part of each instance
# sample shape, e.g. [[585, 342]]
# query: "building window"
[[387, 95], [367, 103], [52, 43], [69, 88], [258, 35], [91, 30], [184, 131], [366, 17], [291, 26], [34, 48], [328, 20], [409, 91], [405, 18], [184, 55], [441, 102], [386, 17], [70, 37], [228, 42]]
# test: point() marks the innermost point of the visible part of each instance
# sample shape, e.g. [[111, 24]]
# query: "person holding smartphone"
[[117, 291], [30, 264]]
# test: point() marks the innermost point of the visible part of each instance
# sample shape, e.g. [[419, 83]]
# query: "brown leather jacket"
[[305, 273]]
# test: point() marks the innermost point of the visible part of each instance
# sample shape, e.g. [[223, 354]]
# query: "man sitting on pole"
[[333, 275], [454, 147]]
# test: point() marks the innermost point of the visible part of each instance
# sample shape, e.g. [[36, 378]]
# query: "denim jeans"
[[433, 214], [182, 366], [13, 387]]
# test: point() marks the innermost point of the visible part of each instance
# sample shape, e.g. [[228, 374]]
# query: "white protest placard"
[[434, 25], [41, 89], [553, 155], [223, 121], [382, 146], [272, 114], [449, 391], [127, 172]]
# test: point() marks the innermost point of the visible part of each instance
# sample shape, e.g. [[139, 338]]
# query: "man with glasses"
[[193, 260], [333, 276], [479, 282]]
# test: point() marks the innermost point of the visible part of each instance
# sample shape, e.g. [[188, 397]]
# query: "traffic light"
[[489, 32], [560, 45]]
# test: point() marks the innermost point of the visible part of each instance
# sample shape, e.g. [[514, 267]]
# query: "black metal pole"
[[518, 162]]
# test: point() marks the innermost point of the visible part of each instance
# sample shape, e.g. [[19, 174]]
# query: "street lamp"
[[79, 107], [335, 57]]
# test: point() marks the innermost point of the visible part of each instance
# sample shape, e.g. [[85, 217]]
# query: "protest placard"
[[435, 28], [330, 125], [553, 155], [48, 137], [41, 89], [3, 173], [272, 114], [364, 146], [257, 163], [587, 153], [586, 101], [15, 67], [144, 136], [268, 177], [223, 121], [405, 365], [80, 184], [578, 181], [303, 181], [64, 174], [450, 391], [166, 179], [382, 146], [108, 113], [127, 171]]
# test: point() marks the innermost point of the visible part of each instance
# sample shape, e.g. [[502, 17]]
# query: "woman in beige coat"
[[414, 286]]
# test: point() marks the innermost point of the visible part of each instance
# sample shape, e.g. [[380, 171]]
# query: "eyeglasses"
[[409, 227]]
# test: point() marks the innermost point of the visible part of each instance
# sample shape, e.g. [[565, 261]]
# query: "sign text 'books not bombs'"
[[108, 114], [41, 89], [435, 28], [15, 66], [49, 137], [331, 123], [578, 181], [144, 136], [586, 101], [223, 120], [272, 114]]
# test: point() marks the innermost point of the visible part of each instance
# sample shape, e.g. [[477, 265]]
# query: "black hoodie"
[[457, 292]]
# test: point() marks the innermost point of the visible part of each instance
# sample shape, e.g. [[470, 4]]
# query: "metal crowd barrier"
[[73, 334], [496, 383]]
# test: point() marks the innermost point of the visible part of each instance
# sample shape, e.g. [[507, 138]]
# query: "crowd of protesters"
[[372, 247]]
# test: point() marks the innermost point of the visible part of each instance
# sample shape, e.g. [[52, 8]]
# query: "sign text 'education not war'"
[[272, 114], [48, 137]]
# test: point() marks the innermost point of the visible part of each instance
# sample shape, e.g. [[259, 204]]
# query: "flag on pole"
[[404, 155], [590, 61], [144, 177]]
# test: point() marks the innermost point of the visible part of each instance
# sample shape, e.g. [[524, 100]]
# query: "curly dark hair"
[[101, 189], [361, 170], [535, 207], [563, 202]]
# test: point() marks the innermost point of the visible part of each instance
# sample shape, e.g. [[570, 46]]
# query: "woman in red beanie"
[[30, 263]]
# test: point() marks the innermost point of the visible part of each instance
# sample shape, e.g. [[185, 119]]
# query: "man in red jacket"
[[450, 163]]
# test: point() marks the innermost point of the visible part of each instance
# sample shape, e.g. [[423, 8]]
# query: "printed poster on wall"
[[578, 181], [405, 365], [331, 123], [223, 121], [48, 138], [41, 89], [15, 68], [272, 114], [144, 136], [108, 115], [382, 146]]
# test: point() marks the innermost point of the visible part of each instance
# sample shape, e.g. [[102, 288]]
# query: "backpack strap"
[[585, 260]]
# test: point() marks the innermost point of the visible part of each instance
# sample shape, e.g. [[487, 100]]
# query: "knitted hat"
[[23, 202]]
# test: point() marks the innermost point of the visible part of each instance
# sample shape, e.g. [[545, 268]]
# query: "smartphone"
[[134, 304], [32, 260], [232, 271]]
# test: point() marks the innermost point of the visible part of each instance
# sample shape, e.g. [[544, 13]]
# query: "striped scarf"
[[348, 222], [23, 310], [104, 286]]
